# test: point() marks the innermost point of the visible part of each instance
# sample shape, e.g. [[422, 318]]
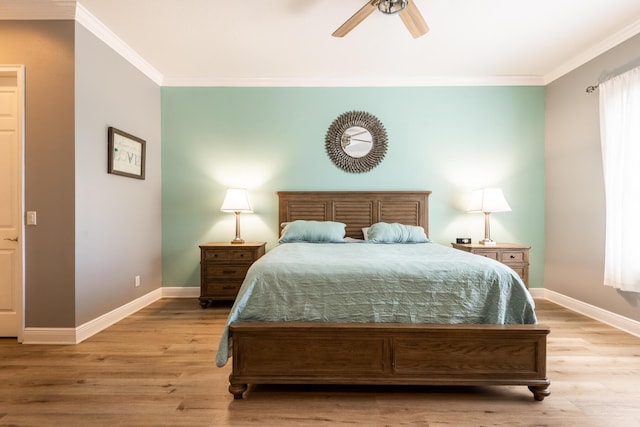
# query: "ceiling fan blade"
[[357, 18], [413, 20]]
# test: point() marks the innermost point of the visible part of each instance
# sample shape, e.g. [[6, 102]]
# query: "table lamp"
[[487, 200], [236, 200]]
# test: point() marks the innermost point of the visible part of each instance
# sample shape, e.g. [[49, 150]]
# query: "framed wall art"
[[126, 154]]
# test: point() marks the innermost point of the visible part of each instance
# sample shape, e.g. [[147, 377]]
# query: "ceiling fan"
[[406, 9]]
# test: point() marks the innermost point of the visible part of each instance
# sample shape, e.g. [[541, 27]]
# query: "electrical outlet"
[[137, 281]]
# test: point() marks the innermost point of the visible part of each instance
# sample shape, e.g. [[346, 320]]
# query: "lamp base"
[[238, 240], [487, 242]]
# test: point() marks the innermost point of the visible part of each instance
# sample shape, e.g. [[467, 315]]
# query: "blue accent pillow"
[[313, 232], [383, 232]]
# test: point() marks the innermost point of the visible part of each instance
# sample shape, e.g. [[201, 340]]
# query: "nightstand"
[[223, 267], [511, 254]]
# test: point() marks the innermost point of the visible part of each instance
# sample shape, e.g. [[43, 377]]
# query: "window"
[[620, 139]]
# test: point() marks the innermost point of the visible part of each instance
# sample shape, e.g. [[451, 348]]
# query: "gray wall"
[[574, 193], [46, 48], [95, 231], [118, 219]]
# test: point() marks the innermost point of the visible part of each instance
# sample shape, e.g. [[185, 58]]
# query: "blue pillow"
[[313, 232], [382, 232]]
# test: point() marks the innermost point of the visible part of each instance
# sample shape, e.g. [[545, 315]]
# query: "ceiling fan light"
[[392, 6]]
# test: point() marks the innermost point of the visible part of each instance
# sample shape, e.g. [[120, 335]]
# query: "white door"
[[11, 200]]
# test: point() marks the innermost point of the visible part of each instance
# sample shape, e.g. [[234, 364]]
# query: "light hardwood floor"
[[156, 368]]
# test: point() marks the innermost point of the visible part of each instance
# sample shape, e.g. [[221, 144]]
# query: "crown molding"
[[609, 43], [72, 9], [95, 26], [355, 81], [37, 9]]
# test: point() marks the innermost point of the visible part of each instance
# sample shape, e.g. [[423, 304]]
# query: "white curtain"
[[620, 139]]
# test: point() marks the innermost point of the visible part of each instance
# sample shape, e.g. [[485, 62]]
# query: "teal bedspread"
[[367, 282]]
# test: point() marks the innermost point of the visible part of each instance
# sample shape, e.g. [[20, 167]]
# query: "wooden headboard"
[[357, 209]]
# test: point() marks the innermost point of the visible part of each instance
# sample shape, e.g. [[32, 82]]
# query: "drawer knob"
[[512, 256], [228, 271]]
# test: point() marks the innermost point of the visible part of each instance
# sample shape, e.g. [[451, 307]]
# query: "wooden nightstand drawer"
[[229, 289], [520, 269], [488, 253], [226, 271], [513, 255], [231, 254], [223, 267]]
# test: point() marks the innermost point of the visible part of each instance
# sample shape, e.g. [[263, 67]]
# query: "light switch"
[[31, 218]]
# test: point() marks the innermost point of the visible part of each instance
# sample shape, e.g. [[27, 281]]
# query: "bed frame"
[[382, 353]]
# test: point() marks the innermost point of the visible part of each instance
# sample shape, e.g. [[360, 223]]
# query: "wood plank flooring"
[[156, 368]]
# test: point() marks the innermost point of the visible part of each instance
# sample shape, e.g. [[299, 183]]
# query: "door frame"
[[19, 72]]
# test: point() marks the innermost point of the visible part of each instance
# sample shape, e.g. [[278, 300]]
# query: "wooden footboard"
[[379, 353]]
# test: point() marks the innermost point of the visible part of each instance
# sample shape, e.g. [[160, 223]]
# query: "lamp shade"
[[488, 200], [236, 200]]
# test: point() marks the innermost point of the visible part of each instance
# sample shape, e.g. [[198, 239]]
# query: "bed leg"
[[539, 391], [237, 390]]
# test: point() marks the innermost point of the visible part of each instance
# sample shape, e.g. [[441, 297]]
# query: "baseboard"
[[103, 322], [612, 319], [76, 335], [49, 336], [86, 330], [181, 292], [537, 292]]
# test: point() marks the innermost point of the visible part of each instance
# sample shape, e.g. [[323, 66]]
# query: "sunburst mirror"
[[356, 141]]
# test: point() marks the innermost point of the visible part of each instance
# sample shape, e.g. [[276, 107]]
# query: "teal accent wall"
[[449, 140]]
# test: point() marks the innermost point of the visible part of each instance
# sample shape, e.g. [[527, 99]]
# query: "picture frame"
[[126, 154]]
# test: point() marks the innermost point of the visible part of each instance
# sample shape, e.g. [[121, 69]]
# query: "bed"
[[507, 348]]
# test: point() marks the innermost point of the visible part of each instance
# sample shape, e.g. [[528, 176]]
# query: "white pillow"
[[313, 232], [382, 232]]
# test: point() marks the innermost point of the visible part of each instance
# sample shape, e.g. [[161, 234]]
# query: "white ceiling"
[[289, 42]]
